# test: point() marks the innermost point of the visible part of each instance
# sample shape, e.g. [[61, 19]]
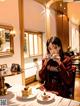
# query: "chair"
[[72, 86], [71, 89]]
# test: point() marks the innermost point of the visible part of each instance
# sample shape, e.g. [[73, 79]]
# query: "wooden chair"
[[71, 89]]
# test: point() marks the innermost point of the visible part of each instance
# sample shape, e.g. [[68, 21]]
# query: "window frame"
[[40, 47]]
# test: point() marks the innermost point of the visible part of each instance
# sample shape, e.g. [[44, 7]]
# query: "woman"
[[56, 72]]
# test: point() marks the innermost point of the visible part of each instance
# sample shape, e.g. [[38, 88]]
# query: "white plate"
[[29, 97], [33, 95], [24, 98], [51, 97]]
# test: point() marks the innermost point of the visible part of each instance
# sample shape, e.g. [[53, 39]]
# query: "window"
[[26, 47], [75, 34], [32, 44]]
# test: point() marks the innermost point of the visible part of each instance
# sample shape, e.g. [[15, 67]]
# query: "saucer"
[[29, 97], [51, 97]]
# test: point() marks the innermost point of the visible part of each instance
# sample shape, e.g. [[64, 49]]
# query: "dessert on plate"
[[45, 96], [27, 91]]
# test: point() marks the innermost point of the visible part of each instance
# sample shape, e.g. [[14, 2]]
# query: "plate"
[[29, 97], [50, 98], [24, 98]]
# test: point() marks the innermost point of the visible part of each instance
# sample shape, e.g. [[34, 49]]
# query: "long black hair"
[[55, 40]]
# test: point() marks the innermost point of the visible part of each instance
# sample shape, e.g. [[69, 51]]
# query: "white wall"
[[35, 17], [74, 20], [53, 23], [9, 16], [74, 36], [73, 12]]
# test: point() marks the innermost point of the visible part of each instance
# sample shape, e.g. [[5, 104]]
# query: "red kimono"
[[57, 77]]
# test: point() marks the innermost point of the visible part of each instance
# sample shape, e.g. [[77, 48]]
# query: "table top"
[[13, 99], [7, 73]]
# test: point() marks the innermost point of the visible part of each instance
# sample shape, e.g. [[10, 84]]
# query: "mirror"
[[6, 40]]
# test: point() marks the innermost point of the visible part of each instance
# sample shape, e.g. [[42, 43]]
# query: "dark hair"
[[55, 40], [47, 44]]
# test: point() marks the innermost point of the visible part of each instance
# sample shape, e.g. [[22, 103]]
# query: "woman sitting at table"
[[56, 72]]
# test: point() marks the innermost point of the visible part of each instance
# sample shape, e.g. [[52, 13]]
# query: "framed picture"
[[4, 66], [15, 68], [6, 41]]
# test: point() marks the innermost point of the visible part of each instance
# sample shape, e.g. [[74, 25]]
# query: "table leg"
[[3, 89]]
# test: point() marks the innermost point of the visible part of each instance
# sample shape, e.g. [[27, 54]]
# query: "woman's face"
[[53, 49]]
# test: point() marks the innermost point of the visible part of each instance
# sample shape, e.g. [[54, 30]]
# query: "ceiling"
[[42, 1], [57, 5], [69, 10], [46, 1]]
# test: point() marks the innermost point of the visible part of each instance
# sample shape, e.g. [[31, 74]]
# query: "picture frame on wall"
[[4, 66], [15, 67]]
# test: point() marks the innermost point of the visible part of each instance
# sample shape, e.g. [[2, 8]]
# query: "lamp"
[[12, 32]]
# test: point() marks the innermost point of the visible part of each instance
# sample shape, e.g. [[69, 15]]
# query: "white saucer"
[[51, 97], [29, 97]]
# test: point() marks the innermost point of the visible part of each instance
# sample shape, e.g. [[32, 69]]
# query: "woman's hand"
[[56, 57], [45, 61]]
